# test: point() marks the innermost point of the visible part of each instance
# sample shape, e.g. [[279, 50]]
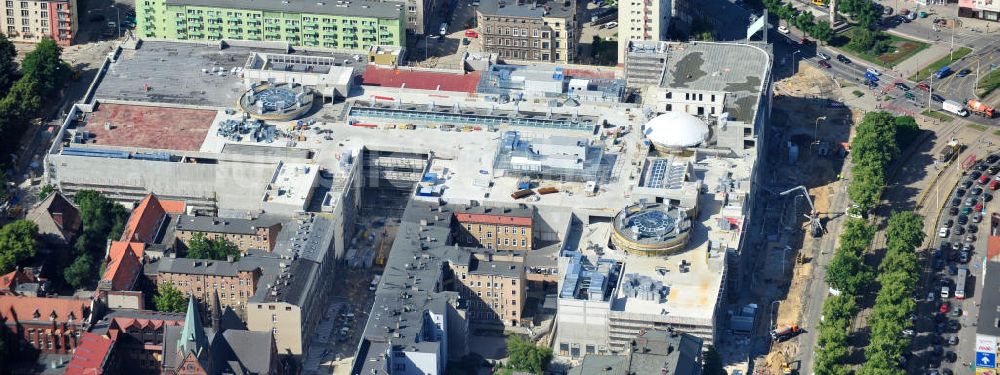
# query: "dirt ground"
[[806, 118]]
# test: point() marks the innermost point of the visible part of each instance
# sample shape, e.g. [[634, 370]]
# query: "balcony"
[[235, 30]]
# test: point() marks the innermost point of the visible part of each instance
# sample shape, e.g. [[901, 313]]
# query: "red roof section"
[[90, 354], [493, 219], [9, 281], [122, 269], [22, 308], [120, 323], [142, 224], [420, 80]]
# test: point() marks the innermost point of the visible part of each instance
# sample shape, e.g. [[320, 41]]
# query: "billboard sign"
[[986, 344]]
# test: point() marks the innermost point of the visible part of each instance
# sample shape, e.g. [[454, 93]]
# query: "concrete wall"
[[287, 318]]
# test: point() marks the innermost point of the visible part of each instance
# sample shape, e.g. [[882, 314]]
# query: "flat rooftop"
[[183, 73], [528, 9], [737, 69], [989, 312], [144, 126], [421, 80], [354, 8]]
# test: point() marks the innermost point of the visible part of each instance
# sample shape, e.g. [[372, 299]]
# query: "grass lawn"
[[937, 65], [996, 132], [902, 49], [937, 115], [981, 128], [989, 83]]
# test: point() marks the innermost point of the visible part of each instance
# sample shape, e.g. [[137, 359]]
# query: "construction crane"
[[815, 226]]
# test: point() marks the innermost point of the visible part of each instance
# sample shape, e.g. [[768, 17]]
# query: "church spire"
[[193, 337]]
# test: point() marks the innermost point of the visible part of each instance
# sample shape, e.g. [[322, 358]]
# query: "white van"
[[945, 292]]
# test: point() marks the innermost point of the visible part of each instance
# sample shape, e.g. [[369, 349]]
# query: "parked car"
[[923, 86], [843, 59], [783, 29], [943, 232], [937, 98], [822, 55], [962, 219], [823, 64], [993, 158], [902, 86], [959, 192], [952, 211], [948, 224]]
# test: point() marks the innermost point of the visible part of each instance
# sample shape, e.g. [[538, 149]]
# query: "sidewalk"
[[910, 66]]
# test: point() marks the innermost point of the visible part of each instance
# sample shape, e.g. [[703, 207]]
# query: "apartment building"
[[354, 25], [980, 9], [500, 228], [494, 285], [418, 17], [545, 31], [641, 20], [31, 21], [235, 282], [245, 234], [50, 325]]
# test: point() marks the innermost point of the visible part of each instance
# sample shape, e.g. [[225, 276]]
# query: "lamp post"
[[816, 132], [118, 19], [793, 61]]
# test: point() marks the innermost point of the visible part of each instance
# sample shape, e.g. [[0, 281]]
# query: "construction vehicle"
[[979, 108], [815, 225], [949, 151], [785, 333]]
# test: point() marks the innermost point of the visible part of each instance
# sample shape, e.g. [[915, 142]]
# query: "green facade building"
[[335, 24]]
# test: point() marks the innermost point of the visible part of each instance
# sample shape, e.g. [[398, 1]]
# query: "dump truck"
[[785, 333], [948, 151], [979, 108]]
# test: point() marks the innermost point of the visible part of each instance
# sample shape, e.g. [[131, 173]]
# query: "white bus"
[[963, 273]]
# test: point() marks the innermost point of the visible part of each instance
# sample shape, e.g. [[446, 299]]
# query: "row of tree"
[[103, 220], [898, 276], [848, 274], [804, 21], [872, 149], [42, 74]]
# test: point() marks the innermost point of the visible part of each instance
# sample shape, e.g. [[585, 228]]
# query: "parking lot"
[[944, 326]]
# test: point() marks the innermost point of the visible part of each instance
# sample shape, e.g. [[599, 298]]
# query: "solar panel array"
[[664, 175]]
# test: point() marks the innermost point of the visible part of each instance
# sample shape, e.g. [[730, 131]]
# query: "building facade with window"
[[50, 325], [245, 234], [32, 21], [545, 31], [235, 282], [495, 227], [493, 285], [980, 9], [354, 25], [642, 20]]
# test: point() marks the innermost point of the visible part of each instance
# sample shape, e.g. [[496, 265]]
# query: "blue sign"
[[984, 359]]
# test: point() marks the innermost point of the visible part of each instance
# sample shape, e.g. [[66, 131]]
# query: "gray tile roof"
[[737, 69], [528, 9], [651, 352], [204, 266], [353, 8], [211, 224], [496, 267]]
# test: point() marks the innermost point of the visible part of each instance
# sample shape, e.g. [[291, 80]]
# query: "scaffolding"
[[550, 158]]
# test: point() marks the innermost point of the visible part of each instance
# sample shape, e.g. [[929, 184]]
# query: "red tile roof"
[[21, 308], [120, 247], [90, 354], [122, 269], [143, 222], [420, 80], [121, 323], [493, 219]]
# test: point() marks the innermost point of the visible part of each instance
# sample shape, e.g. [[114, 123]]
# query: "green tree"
[[79, 273], [17, 244], [200, 247], [866, 188], [523, 355], [822, 32], [169, 299], [103, 220], [713, 362], [8, 67], [44, 66], [848, 273], [45, 191]]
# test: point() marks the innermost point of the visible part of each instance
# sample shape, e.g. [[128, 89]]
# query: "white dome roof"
[[676, 129]]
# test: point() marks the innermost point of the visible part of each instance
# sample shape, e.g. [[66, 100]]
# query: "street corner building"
[[32, 21]]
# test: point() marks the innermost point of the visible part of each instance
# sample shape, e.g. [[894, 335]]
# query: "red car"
[[923, 86], [823, 64], [944, 307], [994, 184], [984, 179], [979, 207]]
